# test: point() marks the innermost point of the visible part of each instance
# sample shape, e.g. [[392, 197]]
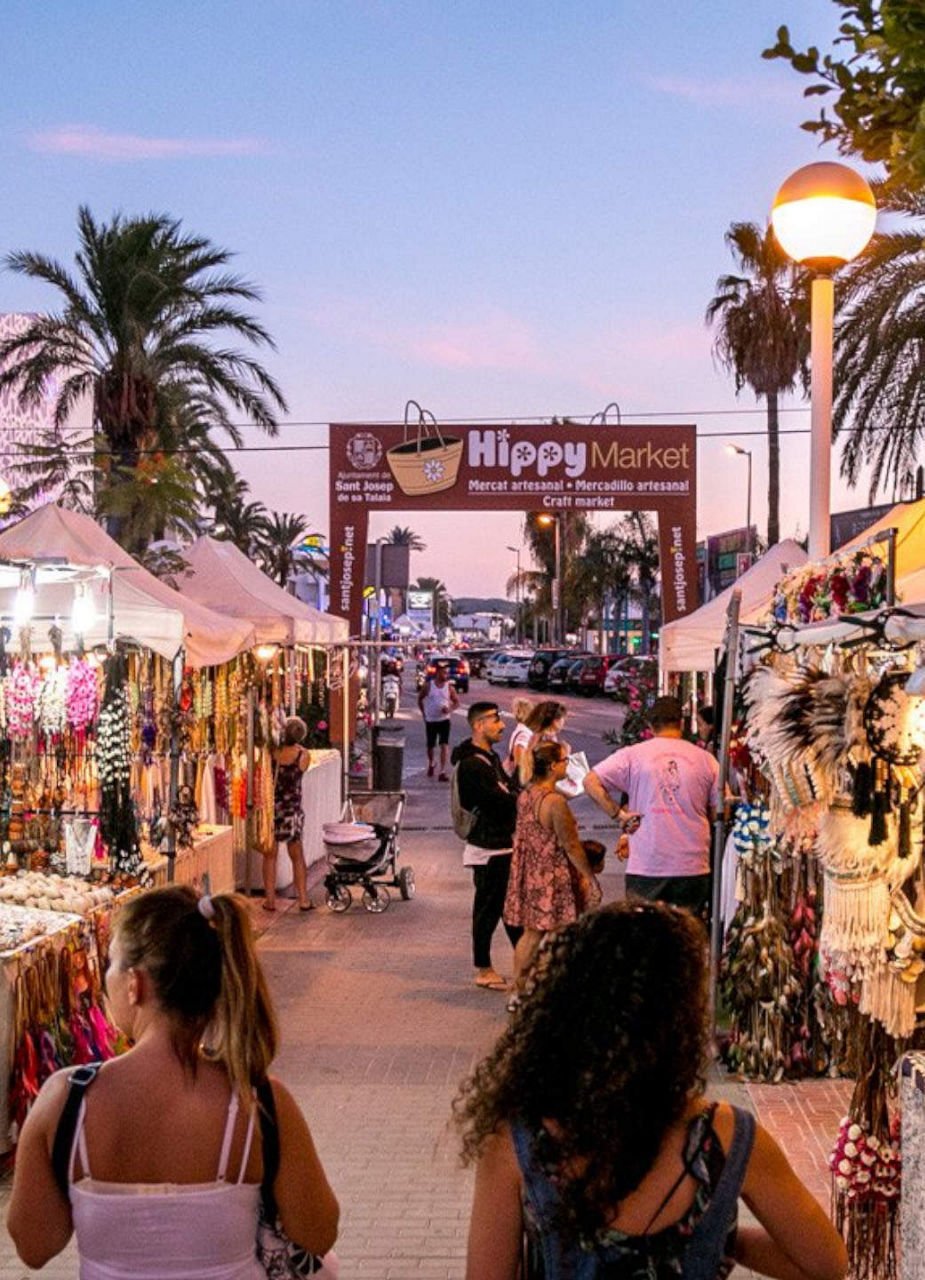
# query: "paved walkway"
[[380, 1022]]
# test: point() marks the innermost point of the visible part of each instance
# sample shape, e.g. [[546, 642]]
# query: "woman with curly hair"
[[589, 1126]]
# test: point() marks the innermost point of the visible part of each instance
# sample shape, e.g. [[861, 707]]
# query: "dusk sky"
[[500, 210]]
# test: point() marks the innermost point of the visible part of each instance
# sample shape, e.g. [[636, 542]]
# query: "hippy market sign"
[[567, 467]]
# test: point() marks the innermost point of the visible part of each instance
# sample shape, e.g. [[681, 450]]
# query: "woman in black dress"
[[290, 760]]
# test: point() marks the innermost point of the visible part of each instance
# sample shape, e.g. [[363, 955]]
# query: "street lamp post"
[[516, 551], [555, 520], [747, 453], [823, 216]]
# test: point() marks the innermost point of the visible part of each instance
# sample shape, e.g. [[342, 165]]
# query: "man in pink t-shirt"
[[673, 786]]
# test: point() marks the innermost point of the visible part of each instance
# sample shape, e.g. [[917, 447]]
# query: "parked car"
[[457, 669], [589, 675], [496, 666], [517, 668], [631, 670], [542, 662], [558, 677]]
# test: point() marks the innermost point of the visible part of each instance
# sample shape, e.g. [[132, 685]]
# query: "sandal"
[[266, 906], [309, 906], [492, 982]]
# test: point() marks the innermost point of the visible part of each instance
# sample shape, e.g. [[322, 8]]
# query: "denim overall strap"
[[560, 1262], [704, 1254]]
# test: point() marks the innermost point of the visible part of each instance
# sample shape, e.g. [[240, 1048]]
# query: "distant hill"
[[471, 604]]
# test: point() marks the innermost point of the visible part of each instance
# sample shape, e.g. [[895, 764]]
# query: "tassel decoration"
[[863, 790]]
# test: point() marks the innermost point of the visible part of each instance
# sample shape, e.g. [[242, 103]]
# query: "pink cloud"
[[494, 340], [103, 144]]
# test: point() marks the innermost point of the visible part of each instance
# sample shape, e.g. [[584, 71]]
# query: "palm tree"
[[762, 333], [135, 335], [601, 573], [638, 549], [402, 536], [880, 340], [541, 540], [282, 532]]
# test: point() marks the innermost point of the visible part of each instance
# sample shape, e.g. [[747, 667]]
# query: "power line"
[[525, 420]]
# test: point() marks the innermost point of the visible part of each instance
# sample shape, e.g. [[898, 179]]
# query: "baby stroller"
[[362, 850]]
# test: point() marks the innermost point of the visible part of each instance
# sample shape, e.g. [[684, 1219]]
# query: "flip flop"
[[266, 907], [310, 907], [493, 983]]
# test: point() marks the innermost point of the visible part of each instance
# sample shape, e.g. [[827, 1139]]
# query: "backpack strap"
[[269, 1136], [79, 1082], [704, 1253]]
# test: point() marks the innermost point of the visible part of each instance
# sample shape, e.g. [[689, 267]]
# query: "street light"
[[823, 216], [547, 519], [516, 551], [747, 453]]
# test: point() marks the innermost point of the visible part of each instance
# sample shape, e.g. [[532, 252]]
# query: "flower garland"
[[118, 826], [22, 688], [852, 584], [51, 704], [81, 695]]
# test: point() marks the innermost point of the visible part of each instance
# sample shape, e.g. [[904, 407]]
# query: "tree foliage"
[[876, 79], [879, 406], [139, 335], [762, 333]]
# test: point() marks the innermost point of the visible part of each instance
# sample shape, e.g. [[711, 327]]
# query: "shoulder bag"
[[280, 1257]]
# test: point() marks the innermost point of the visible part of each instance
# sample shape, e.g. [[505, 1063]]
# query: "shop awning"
[[690, 643], [223, 578], [208, 638]]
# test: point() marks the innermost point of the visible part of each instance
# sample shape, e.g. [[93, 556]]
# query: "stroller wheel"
[[406, 883], [339, 898], [376, 899]]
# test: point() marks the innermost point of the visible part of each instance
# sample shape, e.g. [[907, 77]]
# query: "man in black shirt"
[[484, 789]]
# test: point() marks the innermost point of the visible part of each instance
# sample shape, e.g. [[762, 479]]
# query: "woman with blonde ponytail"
[[158, 1167]]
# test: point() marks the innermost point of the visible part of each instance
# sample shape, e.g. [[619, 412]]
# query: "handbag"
[[280, 1257]]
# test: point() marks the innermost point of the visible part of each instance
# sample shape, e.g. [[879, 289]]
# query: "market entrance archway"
[[378, 466]]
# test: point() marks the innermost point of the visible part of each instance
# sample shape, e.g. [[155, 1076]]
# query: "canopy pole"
[[250, 765], [719, 825], [345, 758], [173, 785]]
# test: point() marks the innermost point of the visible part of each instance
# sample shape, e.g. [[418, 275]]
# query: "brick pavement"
[[380, 1022]]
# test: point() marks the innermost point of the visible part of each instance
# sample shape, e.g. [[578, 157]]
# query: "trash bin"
[[388, 755]]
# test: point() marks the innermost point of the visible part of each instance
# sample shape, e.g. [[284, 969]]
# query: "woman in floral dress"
[[551, 882], [290, 760]]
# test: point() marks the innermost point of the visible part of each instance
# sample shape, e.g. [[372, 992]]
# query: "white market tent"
[[221, 577], [144, 608], [690, 643]]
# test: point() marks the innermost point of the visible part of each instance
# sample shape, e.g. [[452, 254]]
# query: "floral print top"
[[614, 1255]]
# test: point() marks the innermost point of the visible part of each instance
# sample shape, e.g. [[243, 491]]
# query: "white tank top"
[[167, 1231], [436, 704]]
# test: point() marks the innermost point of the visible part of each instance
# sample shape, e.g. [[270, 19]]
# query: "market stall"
[[824, 963], [293, 643]]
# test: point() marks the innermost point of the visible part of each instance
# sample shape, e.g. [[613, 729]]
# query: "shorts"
[[437, 731], [692, 892]]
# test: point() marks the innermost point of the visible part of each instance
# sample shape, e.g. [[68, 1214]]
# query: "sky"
[[497, 209]]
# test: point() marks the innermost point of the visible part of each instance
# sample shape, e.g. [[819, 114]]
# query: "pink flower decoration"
[[82, 697]]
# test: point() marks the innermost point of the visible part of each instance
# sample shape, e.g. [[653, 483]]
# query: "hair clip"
[[206, 907]]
